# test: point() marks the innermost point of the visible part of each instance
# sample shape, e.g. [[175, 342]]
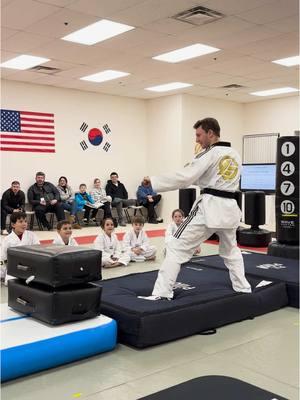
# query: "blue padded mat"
[[29, 345], [264, 267]]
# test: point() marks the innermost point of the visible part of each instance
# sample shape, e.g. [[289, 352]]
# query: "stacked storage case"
[[54, 282]]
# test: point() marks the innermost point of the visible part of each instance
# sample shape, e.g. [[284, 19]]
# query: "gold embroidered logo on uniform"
[[228, 168], [197, 148]]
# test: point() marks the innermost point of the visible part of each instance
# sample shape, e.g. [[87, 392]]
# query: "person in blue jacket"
[[84, 201], [149, 199]]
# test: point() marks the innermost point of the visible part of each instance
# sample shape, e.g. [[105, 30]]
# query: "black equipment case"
[[55, 306], [54, 265]]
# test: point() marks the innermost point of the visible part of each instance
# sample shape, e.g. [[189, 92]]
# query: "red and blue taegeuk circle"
[[95, 136]]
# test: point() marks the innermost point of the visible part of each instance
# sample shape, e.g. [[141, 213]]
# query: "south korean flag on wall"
[[95, 137]]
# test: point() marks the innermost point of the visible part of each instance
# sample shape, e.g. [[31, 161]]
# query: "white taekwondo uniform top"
[[216, 167]]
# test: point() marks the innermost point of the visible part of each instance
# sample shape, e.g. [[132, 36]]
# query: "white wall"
[[164, 143], [272, 116], [126, 118], [228, 113]]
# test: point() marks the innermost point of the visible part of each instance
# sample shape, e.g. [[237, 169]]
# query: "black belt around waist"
[[220, 193]]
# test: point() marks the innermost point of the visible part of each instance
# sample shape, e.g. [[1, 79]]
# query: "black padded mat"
[[264, 267], [214, 387], [203, 300]]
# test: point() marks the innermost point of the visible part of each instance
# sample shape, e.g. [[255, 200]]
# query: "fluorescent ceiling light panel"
[[186, 53], [97, 32], [272, 92], [289, 61], [24, 62], [103, 76], [169, 86]]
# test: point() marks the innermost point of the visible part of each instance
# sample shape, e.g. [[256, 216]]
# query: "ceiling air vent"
[[198, 16], [45, 70], [232, 86]]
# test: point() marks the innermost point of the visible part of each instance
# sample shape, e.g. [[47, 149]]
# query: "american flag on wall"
[[27, 131]]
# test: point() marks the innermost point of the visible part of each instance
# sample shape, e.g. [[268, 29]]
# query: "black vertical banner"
[[287, 190]]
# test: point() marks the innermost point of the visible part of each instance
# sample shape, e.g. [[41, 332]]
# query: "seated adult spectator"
[[68, 200], [148, 198], [101, 199], [119, 195], [84, 201], [44, 197], [13, 200]]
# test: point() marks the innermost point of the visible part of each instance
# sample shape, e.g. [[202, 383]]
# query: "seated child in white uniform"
[[136, 242], [64, 234], [111, 248], [19, 236], [177, 219]]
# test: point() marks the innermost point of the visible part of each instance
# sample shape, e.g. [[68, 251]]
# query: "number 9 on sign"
[[287, 207]]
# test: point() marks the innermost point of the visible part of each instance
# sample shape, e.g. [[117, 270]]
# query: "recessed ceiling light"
[[24, 62], [272, 92], [289, 61], [169, 86], [103, 76], [97, 32], [186, 53]]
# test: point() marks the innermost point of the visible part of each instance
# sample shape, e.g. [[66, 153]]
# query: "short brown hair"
[[60, 224], [138, 219], [208, 124]]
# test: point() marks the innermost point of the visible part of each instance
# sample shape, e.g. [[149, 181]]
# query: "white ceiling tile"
[[230, 7], [7, 55], [151, 10], [69, 52], [280, 46], [273, 71], [280, 9], [21, 13], [59, 3], [25, 76], [5, 72], [61, 23], [134, 38], [210, 33], [169, 26], [24, 42], [64, 66], [4, 3], [290, 24], [45, 79], [77, 72], [244, 37], [154, 47], [7, 33], [102, 8], [235, 67]]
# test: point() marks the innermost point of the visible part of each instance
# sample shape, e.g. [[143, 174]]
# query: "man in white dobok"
[[216, 170]]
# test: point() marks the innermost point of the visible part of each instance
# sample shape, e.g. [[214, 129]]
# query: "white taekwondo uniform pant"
[[181, 247]]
